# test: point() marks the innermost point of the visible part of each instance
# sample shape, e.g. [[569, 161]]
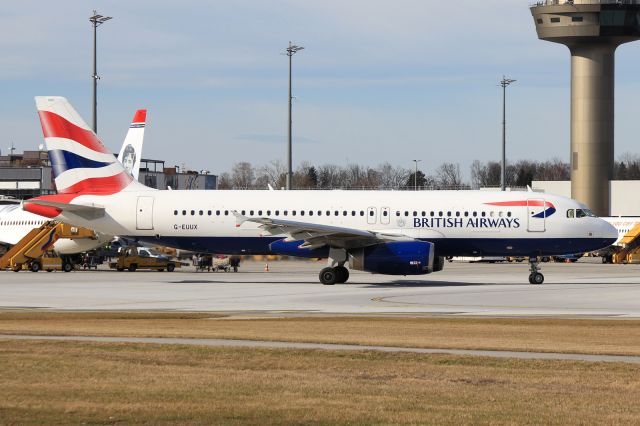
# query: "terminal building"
[[28, 175]]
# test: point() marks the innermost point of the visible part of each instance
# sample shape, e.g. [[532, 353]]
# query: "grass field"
[[540, 335], [91, 383], [103, 383]]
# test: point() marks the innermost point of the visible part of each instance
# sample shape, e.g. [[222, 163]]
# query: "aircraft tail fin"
[[131, 151], [81, 164]]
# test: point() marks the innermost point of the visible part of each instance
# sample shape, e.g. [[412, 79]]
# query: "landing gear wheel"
[[328, 276], [67, 267], [536, 278], [342, 274], [35, 266]]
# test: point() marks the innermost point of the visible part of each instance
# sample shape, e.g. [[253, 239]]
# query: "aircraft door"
[[385, 215], [372, 216], [144, 213], [536, 215]]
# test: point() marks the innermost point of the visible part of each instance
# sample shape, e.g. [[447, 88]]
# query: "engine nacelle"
[[291, 248], [395, 258]]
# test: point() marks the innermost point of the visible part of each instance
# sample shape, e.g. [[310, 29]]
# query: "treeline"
[[244, 175]]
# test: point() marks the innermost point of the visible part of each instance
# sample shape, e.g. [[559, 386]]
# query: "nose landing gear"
[[535, 277]]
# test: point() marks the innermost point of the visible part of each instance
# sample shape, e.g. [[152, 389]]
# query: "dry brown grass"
[[544, 335], [78, 383]]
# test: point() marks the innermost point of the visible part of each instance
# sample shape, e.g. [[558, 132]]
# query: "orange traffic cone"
[[266, 267]]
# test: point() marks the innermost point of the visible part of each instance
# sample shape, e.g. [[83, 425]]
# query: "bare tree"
[[328, 176], [391, 177], [272, 174], [305, 177], [242, 175], [553, 170], [449, 176], [224, 181]]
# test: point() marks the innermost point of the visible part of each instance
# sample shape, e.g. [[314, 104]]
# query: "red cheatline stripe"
[[140, 117], [55, 126], [99, 186]]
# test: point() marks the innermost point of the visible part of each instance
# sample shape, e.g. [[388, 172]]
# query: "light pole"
[[503, 175], [290, 51], [415, 176], [96, 20]]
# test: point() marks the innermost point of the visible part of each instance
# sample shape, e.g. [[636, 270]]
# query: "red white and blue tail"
[[81, 164]]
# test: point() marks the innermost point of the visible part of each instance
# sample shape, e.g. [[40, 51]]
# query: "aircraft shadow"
[[432, 284]]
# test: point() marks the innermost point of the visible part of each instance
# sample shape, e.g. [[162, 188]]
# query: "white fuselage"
[[458, 222], [16, 223], [622, 224]]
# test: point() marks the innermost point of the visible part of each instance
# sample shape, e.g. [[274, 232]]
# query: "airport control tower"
[[592, 30]]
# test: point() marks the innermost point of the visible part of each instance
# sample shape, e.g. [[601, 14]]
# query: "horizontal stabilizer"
[[85, 212]]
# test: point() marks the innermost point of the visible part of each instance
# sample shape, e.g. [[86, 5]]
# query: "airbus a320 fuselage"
[[389, 232]]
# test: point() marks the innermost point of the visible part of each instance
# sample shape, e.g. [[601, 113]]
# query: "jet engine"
[[394, 258]]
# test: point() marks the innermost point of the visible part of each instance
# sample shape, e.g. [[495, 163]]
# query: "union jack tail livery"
[[81, 164]]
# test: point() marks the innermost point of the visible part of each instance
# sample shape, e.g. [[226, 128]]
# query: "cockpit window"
[[584, 213], [570, 213]]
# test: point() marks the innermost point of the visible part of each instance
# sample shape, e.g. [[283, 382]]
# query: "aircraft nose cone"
[[609, 232]]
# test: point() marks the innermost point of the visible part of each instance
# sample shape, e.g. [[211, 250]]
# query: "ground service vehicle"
[[134, 258], [29, 251]]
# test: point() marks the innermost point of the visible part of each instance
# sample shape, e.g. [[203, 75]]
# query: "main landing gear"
[[331, 276], [336, 272], [535, 277]]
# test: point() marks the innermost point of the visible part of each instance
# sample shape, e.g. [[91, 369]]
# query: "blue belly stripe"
[[444, 247]]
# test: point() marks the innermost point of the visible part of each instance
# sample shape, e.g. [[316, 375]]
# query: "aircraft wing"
[[317, 235]]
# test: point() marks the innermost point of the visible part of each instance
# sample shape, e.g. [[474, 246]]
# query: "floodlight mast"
[[415, 176], [290, 51], [503, 172], [96, 20]]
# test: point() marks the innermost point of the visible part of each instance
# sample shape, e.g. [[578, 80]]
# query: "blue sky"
[[378, 81]]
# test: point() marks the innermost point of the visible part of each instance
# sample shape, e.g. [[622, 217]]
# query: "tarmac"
[[291, 288]]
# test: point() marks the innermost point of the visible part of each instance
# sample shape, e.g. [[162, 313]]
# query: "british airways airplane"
[[386, 232], [15, 223]]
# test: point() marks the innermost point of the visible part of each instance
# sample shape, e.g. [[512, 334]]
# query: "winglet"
[[240, 219]]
